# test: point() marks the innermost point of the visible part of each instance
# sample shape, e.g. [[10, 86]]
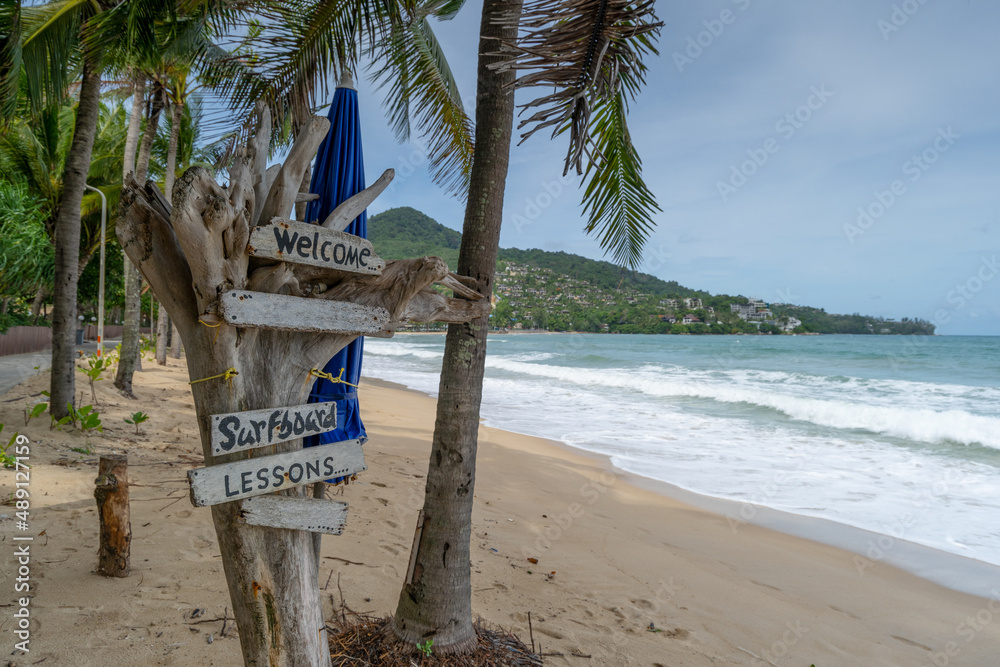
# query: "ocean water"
[[896, 435]]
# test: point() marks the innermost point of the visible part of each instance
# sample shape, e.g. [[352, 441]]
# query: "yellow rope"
[[228, 375], [212, 326], [328, 376]]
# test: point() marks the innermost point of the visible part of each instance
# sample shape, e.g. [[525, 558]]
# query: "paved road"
[[16, 368]]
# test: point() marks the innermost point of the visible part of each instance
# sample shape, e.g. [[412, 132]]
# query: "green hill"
[[406, 232], [558, 291]]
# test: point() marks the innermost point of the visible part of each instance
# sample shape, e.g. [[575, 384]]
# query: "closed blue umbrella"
[[339, 174]]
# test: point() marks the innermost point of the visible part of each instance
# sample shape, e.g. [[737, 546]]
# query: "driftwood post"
[[111, 493], [193, 251]]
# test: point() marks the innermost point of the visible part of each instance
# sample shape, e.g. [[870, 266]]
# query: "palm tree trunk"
[[436, 601], [129, 359], [134, 126], [176, 117], [175, 342], [162, 331], [36, 305], [164, 323], [67, 244]]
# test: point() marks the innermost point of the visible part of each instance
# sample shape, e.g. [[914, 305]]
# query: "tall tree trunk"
[[193, 257], [36, 305], [162, 331], [163, 328], [129, 358], [175, 342], [67, 244], [134, 126], [436, 601]]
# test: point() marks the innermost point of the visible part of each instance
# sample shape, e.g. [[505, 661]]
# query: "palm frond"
[[10, 57], [586, 50], [618, 204], [50, 48], [289, 53], [412, 65]]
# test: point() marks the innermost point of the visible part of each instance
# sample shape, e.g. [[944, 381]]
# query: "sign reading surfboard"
[[301, 243], [241, 308], [266, 474], [240, 431]]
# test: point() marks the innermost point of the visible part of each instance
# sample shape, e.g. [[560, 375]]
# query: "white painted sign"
[[313, 514], [239, 431], [266, 474], [301, 243], [241, 308]]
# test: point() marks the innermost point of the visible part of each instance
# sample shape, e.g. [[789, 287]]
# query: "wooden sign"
[[312, 514], [292, 313], [239, 431], [266, 474], [301, 243]]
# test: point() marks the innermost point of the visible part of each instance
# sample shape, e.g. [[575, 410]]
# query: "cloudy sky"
[[840, 154]]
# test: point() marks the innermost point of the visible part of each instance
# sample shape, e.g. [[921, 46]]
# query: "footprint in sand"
[[774, 588], [390, 549], [845, 613], [910, 642]]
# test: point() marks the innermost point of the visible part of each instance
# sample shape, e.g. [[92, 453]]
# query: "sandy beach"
[[626, 575]]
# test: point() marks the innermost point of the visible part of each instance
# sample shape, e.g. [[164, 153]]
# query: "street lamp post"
[[100, 289]]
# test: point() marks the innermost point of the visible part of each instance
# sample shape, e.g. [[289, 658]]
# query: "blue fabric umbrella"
[[338, 175]]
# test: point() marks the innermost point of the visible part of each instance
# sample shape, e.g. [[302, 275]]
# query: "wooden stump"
[[112, 507]]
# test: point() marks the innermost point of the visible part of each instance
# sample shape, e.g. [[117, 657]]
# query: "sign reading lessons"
[[240, 431], [266, 474], [301, 243]]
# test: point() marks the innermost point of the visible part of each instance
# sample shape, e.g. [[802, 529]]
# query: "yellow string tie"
[[228, 375], [329, 376], [212, 326]]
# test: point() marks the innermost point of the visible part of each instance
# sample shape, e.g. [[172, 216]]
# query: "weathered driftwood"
[[238, 431], [192, 250], [345, 214], [111, 492], [311, 514], [226, 482], [242, 308]]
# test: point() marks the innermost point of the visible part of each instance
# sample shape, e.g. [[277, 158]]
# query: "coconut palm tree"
[[54, 51], [589, 52]]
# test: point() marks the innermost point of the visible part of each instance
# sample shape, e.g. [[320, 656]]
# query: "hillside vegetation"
[[559, 291]]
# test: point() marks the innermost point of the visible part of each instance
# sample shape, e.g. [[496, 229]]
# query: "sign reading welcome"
[[301, 243]]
